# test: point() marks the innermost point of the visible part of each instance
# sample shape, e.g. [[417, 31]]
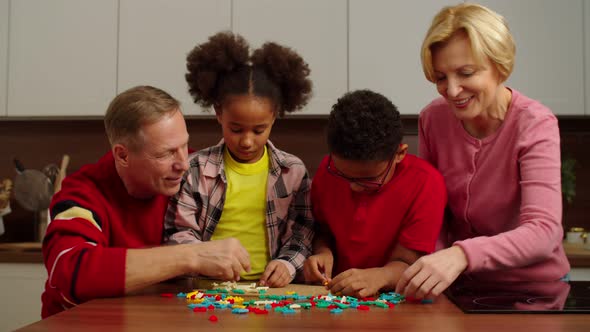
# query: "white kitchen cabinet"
[[549, 38], [155, 37], [587, 54], [62, 56], [21, 286], [70, 57], [317, 30], [385, 41], [4, 9]]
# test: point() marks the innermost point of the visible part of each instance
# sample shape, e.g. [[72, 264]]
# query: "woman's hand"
[[430, 275]]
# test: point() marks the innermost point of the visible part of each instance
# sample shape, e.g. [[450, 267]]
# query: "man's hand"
[[318, 267], [359, 282], [220, 259], [276, 275], [430, 275]]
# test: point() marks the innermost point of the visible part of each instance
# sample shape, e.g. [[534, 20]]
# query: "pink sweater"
[[504, 190]]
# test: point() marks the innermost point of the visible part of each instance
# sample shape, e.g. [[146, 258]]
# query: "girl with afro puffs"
[[244, 187]]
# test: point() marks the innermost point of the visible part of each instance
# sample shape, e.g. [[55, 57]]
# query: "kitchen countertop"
[[30, 252], [577, 254], [21, 252]]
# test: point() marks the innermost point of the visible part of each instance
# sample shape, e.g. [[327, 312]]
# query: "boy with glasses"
[[378, 209]]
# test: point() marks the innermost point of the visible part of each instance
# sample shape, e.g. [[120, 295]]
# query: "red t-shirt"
[[364, 228]]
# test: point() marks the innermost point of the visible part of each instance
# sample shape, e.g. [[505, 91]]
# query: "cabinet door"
[[23, 284], [315, 29], [549, 51], [385, 40], [155, 37], [3, 54], [62, 57], [587, 54]]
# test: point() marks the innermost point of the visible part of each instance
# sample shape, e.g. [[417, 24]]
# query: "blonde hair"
[[487, 31], [134, 108]]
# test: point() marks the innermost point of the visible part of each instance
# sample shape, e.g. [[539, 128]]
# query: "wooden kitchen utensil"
[[65, 160]]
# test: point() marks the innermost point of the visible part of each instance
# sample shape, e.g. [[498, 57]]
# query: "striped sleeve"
[[80, 267]]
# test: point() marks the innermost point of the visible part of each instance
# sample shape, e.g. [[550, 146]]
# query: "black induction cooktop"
[[557, 297]]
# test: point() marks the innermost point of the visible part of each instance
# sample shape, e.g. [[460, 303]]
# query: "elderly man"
[[107, 220]]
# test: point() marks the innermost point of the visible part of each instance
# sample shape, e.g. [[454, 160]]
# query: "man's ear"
[[121, 155], [401, 153]]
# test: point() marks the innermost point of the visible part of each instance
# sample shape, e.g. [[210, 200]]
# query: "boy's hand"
[[318, 267], [275, 275], [220, 259], [359, 282]]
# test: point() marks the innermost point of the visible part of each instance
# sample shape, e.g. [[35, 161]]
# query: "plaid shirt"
[[193, 213]]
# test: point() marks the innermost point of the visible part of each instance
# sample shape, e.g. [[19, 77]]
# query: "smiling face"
[[472, 90], [246, 122], [157, 166]]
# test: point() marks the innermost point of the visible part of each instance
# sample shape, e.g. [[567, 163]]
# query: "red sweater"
[[94, 221]]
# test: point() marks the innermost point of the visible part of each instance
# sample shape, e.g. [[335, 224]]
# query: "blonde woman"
[[499, 153]]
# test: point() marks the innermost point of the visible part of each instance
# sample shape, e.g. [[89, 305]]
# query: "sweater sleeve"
[[79, 263], [539, 230]]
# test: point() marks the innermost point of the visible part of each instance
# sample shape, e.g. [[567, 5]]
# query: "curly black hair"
[[364, 125], [222, 67]]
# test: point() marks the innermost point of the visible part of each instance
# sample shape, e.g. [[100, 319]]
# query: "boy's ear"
[[401, 153], [121, 154]]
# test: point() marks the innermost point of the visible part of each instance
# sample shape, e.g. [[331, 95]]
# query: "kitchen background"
[[37, 143], [62, 61]]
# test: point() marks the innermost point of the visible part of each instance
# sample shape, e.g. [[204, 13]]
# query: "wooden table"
[[151, 312]]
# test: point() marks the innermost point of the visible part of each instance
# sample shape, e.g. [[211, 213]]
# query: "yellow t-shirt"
[[244, 210]]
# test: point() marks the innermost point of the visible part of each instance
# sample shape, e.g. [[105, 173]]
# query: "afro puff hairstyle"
[[223, 67]]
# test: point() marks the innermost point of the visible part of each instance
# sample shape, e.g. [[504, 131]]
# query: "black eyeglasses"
[[368, 183]]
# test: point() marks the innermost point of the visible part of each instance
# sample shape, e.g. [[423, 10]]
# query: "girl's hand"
[[276, 275]]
